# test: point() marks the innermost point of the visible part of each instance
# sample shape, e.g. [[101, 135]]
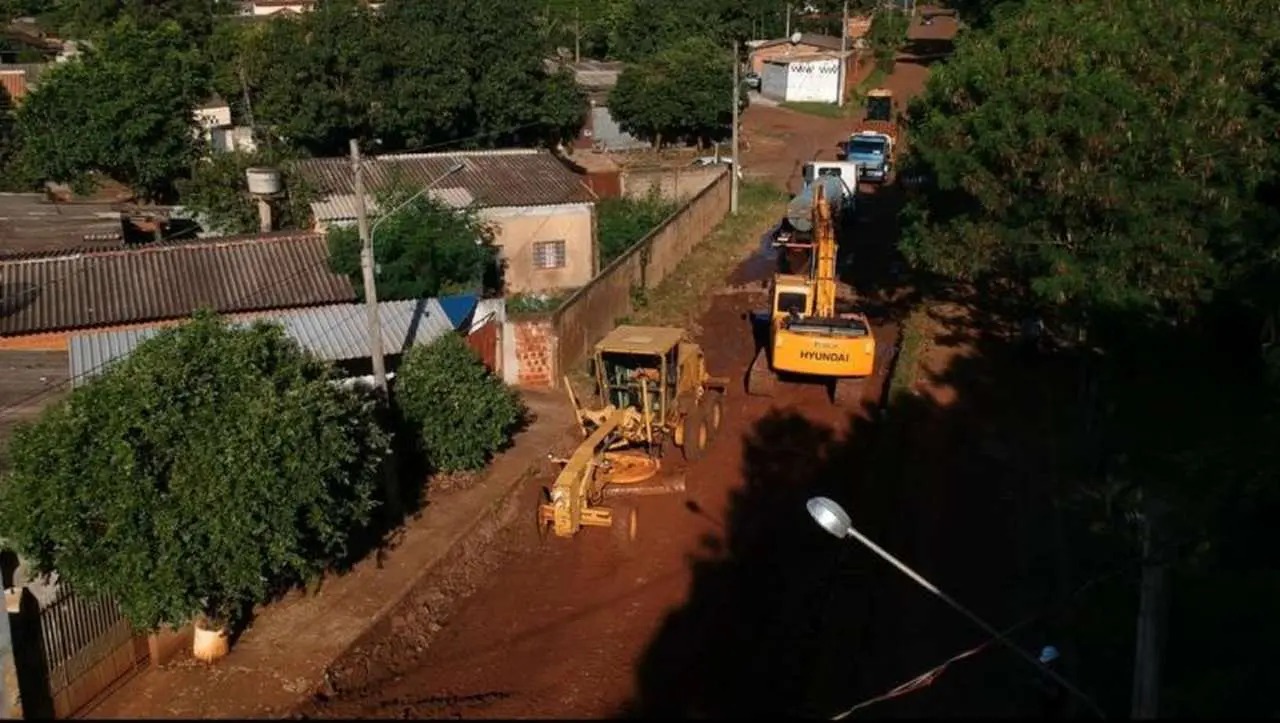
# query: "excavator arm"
[[824, 239]]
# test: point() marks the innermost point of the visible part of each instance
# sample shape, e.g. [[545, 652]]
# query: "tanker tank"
[[800, 210]]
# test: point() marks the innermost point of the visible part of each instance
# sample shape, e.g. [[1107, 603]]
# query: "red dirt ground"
[[731, 602]]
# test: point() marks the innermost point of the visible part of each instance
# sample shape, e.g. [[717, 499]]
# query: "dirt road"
[[733, 603]]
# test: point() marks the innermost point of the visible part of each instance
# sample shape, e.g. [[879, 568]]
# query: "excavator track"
[[761, 381]]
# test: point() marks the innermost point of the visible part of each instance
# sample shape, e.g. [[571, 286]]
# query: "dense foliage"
[[217, 192], [621, 222], [204, 472], [678, 94], [464, 413], [1104, 154], [1115, 163], [423, 248], [114, 113]]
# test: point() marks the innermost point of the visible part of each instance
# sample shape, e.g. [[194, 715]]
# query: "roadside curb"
[[418, 609]]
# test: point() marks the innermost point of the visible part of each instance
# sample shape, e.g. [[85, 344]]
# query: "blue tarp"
[[459, 308]]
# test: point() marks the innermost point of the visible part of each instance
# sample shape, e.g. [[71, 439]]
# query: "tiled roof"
[[826, 42], [519, 177], [43, 293], [336, 332], [30, 222]]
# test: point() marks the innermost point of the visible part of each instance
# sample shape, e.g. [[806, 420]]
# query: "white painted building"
[[807, 79]]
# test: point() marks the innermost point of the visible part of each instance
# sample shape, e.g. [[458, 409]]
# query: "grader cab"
[[654, 394]]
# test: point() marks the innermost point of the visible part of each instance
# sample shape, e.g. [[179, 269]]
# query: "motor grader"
[[653, 394]]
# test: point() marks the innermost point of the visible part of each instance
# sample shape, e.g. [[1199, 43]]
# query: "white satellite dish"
[[795, 37]]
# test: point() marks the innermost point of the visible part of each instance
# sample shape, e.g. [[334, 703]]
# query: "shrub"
[[207, 471], [464, 414]]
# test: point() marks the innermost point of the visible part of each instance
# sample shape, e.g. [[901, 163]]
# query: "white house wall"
[[815, 81]]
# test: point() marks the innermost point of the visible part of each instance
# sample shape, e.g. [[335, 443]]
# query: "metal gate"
[[484, 341], [86, 647]]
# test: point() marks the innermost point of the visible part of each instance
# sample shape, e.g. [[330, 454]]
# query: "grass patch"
[[915, 339], [824, 110], [685, 294]]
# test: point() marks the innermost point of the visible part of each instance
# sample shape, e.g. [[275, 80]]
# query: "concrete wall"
[[816, 81], [593, 310], [678, 184], [517, 229]]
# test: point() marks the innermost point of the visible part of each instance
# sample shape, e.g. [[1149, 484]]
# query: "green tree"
[[207, 471], [124, 111], [218, 191], [424, 249], [314, 79], [678, 94], [473, 68], [464, 413], [1105, 155], [621, 222]]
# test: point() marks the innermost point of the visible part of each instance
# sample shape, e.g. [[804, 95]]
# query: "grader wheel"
[[714, 413], [696, 435]]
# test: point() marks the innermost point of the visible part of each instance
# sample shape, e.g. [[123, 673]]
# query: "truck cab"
[[873, 153]]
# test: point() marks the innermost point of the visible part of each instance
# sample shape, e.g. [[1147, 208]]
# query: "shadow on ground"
[[783, 619]]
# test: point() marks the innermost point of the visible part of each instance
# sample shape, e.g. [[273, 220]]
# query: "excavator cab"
[[880, 105]]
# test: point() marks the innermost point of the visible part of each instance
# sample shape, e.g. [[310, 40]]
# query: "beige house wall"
[[517, 229]]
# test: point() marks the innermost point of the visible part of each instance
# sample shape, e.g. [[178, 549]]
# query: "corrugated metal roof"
[[511, 177], [334, 333], [83, 290], [31, 222], [341, 206]]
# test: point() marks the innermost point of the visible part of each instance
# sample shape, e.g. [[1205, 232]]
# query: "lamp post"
[[456, 167], [831, 517]]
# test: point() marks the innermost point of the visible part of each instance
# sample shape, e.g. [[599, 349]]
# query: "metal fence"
[[82, 635]]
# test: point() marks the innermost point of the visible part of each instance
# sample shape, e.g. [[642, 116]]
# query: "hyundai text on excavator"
[[654, 394], [808, 332]]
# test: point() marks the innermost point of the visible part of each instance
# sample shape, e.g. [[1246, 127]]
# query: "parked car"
[[752, 81]]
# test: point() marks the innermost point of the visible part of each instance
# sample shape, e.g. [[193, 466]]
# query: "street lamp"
[[456, 167], [831, 517]]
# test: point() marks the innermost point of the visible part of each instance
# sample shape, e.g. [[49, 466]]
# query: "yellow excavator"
[[811, 333]]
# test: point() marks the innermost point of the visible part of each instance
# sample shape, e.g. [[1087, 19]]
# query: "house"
[[808, 44], [336, 333], [542, 213], [32, 222], [811, 78], [48, 298], [600, 131], [215, 126]]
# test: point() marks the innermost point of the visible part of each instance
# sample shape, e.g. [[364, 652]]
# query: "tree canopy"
[[124, 111], [207, 470], [1104, 154], [218, 192], [463, 413], [678, 94], [424, 248]]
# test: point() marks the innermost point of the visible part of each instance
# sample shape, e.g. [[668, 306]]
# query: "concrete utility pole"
[[367, 272], [577, 33], [736, 169], [844, 49], [1151, 617], [788, 20]]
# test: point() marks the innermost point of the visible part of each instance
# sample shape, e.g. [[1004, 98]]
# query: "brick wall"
[[535, 351]]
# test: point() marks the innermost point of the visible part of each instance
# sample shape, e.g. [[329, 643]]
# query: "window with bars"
[[549, 254]]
